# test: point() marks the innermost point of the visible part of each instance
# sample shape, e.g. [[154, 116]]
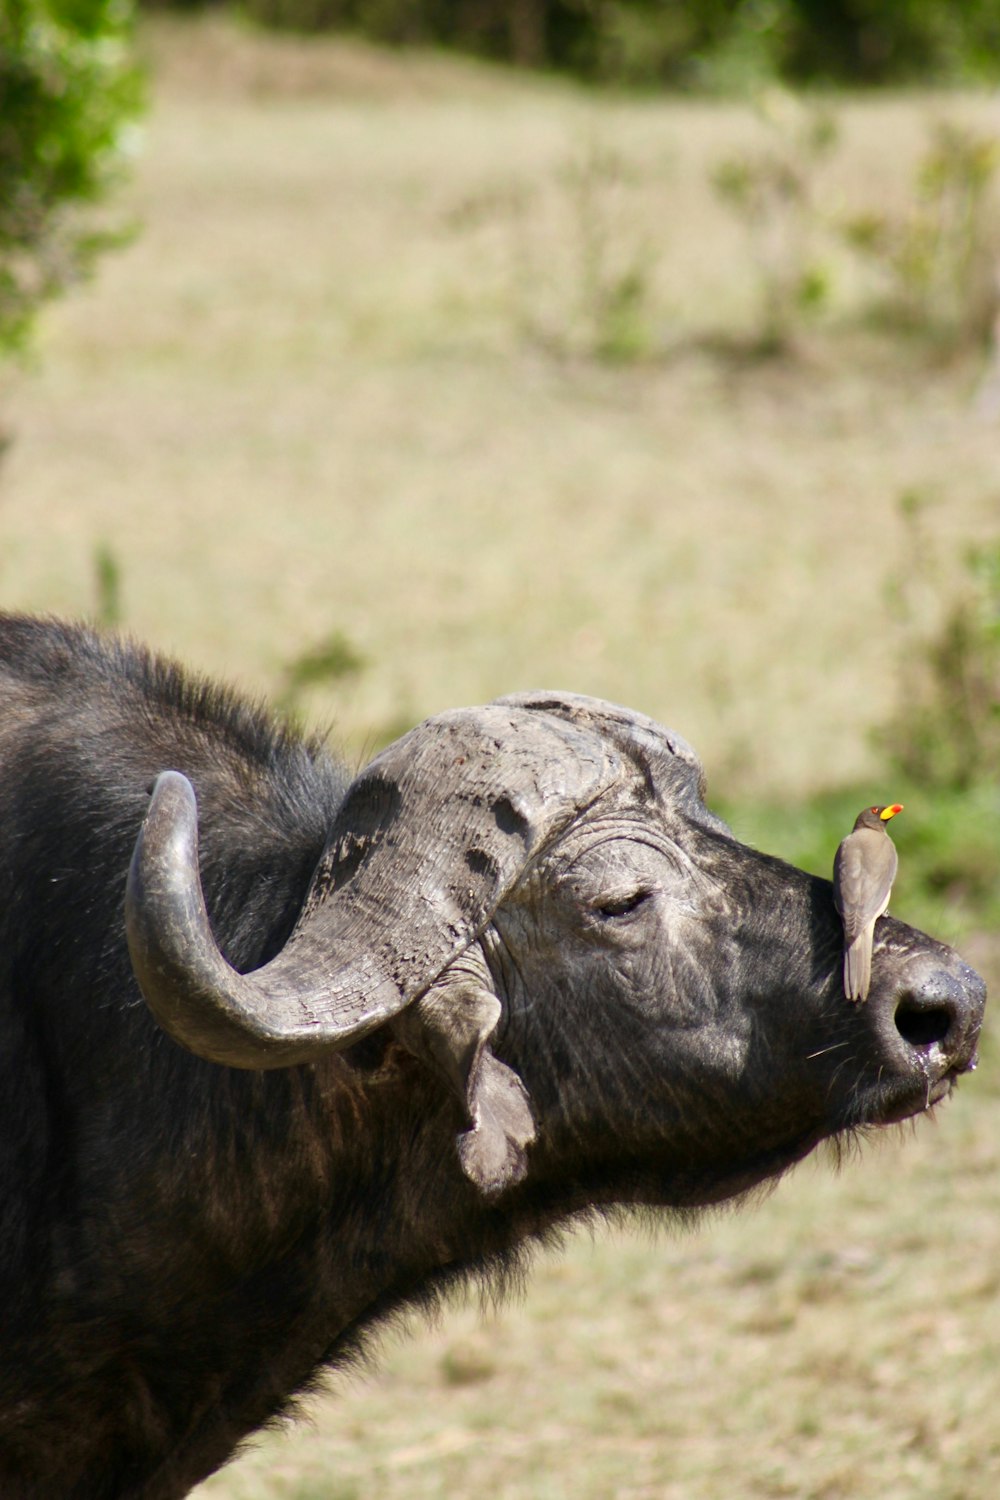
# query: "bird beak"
[[890, 812]]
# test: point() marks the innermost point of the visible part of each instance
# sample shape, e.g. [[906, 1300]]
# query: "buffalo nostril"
[[921, 1024]]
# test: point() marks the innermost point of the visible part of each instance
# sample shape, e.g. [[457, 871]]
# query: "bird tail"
[[858, 966]]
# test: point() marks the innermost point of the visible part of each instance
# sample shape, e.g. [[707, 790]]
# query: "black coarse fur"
[[107, 1125], [184, 1247]]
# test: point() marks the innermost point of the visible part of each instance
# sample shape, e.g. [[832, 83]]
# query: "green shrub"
[[940, 746], [715, 44], [879, 41], [69, 91], [937, 257], [773, 189], [327, 663], [580, 256], [614, 260], [948, 843], [108, 611], [944, 733]]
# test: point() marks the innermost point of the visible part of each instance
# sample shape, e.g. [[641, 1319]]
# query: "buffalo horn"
[[430, 837]]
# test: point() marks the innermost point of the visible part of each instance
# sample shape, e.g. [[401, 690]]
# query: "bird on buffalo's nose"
[[863, 872]]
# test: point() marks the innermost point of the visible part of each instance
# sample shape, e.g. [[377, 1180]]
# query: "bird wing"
[[863, 872]]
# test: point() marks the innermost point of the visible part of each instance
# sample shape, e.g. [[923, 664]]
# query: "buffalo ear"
[[450, 1026]]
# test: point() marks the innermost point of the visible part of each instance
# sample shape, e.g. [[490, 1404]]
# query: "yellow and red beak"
[[890, 812]]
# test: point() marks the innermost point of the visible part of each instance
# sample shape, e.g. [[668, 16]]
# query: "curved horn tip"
[[173, 785], [167, 843]]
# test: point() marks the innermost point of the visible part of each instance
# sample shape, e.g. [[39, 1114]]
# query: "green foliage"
[[934, 256], [529, 32], [937, 257], [773, 190], [716, 44], [945, 731], [614, 262], [948, 843], [878, 41], [581, 258], [941, 747], [329, 662], [68, 93], [720, 45], [108, 584]]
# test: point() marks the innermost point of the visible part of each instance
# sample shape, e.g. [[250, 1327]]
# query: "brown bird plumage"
[[863, 872]]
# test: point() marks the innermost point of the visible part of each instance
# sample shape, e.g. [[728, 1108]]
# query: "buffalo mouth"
[[927, 1033], [928, 1080], [917, 1101]]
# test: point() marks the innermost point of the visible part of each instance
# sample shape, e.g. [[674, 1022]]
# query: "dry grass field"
[[841, 1341], [350, 388]]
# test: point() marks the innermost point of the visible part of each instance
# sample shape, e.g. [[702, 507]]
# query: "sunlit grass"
[[305, 403], [841, 1339]]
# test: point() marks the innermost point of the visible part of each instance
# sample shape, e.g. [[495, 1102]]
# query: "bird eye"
[[620, 906]]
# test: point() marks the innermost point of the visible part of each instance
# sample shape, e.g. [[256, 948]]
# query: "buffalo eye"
[[621, 906]]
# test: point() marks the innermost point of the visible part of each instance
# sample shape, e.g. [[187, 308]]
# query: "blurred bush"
[[940, 743], [108, 610], [948, 842], [938, 257], [326, 663], [944, 732], [713, 43], [605, 271], [773, 190], [69, 91]]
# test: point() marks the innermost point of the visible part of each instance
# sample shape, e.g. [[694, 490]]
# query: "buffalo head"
[[533, 897]]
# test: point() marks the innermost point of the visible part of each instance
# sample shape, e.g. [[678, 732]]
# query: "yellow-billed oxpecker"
[[863, 872]]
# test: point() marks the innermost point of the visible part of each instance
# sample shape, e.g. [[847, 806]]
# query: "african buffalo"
[[512, 971]]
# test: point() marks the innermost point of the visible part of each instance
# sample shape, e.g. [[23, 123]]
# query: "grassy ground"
[[841, 1341], [361, 382], [319, 395]]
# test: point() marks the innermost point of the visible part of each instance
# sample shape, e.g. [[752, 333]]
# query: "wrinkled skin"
[[678, 965], [740, 1032], [184, 1246]]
